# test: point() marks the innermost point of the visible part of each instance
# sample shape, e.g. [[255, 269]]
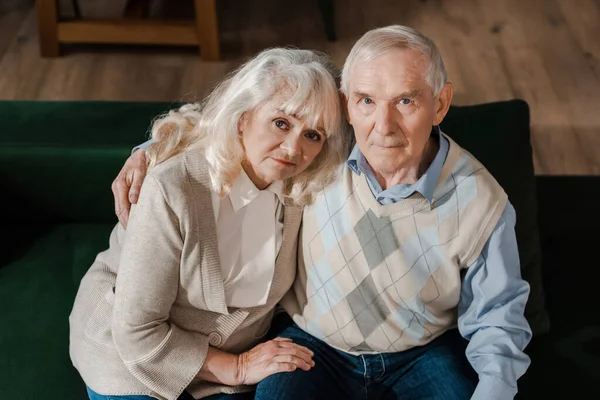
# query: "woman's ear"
[[241, 125]]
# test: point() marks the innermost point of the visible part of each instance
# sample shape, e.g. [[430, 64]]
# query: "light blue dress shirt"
[[493, 295]]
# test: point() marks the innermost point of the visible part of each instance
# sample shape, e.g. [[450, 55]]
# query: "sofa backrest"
[[58, 159]]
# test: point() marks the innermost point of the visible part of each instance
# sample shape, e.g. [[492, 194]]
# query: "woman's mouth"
[[283, 162]]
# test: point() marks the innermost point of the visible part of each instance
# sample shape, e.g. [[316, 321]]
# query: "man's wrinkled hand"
[[127, 185]]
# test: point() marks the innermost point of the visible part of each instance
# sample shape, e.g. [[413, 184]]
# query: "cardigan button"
[[214, 339]]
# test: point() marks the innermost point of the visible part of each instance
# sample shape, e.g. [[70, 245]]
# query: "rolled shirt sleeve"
[[142, 146]]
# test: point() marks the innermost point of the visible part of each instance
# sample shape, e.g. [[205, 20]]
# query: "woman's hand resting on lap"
[[277, 355]]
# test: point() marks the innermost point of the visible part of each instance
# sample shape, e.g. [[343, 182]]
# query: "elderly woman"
[[178, 304]]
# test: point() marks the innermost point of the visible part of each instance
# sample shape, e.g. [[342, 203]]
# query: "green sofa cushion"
[[37, 288], [60, 158], [55, 184]]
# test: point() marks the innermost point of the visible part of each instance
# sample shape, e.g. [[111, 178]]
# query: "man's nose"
[[385, 123]]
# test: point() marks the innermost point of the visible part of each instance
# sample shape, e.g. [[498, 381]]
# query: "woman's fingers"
[[297, 351], [282, 339], [288, 345], [291, 359], [276, 367], [277, 355]]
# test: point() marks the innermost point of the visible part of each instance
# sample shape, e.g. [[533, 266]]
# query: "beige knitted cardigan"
[[151, 305]]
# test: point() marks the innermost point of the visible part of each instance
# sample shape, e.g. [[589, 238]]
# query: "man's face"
[[392, 109]]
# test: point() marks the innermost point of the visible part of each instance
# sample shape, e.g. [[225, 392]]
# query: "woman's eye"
[[313, 136], [281, 124], [406, 101], [367, 100]]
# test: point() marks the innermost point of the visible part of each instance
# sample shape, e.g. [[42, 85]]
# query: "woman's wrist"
[[242, 368], [221, 367]]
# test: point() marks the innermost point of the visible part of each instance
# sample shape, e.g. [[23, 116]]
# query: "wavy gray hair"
[[213, 124], [381, 40]]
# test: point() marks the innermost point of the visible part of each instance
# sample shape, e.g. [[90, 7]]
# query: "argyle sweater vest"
[[384, 278]]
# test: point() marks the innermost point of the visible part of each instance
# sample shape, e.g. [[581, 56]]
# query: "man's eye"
[[406, 101], [367, 100]]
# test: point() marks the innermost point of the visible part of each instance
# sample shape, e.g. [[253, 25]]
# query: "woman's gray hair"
[[379, 41], [310, 78]]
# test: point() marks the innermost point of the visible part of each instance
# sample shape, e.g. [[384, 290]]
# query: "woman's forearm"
[[220, 367]]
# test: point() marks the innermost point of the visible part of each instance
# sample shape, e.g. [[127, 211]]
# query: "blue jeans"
[[185, 396], [437, 371]]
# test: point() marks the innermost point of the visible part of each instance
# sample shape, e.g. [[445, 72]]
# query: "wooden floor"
[[544, 51]]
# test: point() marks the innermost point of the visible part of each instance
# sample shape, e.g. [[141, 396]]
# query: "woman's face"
[[277, 145]]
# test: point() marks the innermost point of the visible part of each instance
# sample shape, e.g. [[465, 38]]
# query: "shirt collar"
[[243, 191], [425, 185], [355, 156]]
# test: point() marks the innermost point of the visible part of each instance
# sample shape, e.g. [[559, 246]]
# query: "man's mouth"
[[389, 146]]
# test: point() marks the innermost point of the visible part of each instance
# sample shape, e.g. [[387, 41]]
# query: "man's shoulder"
[[468, 170], [466, 182]]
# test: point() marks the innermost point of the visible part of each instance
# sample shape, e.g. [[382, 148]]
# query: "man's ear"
[[442, 103]]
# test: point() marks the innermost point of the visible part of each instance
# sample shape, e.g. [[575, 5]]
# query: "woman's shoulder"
[[170, 170], [181, 176]]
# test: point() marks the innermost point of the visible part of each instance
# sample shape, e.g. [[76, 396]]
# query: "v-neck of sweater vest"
[[414, 202]]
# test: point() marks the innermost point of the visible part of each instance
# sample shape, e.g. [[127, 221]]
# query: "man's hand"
[[126, 186]]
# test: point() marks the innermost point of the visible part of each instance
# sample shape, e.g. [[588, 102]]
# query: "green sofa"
[[57, 162]]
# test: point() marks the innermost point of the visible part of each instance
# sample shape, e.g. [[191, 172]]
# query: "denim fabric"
[[438, 371]]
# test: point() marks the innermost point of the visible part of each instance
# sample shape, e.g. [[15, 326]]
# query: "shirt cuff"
[[143, 146], [492, 388]]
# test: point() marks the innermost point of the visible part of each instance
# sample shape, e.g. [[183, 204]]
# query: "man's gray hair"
[[377, 42]]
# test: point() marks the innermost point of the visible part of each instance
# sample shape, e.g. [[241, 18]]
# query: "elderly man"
[[414, 240]]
